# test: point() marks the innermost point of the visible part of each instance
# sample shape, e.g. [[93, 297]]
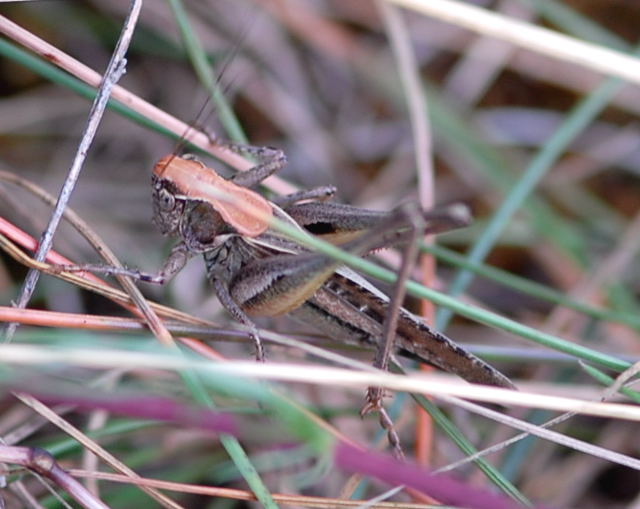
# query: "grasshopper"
[[256, 271]]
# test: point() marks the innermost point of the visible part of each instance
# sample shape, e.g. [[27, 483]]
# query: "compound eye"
[[166, 200]]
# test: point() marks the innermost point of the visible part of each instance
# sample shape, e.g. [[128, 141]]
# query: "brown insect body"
[[257, 271]]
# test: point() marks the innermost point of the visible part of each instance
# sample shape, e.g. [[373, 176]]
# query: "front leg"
[[177, 259], [222, 292]]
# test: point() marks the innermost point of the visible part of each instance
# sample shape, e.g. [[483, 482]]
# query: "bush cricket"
[[255, 270]]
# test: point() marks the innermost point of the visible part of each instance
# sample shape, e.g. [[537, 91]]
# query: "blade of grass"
[[55, 75], [467, 447], [205, 72], [531, 288]]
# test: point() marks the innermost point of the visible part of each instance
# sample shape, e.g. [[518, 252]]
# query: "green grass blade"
[[230, 443], [529, 287], [467, 447], [205, 73]]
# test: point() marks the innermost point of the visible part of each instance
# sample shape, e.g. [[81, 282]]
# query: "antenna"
[[182, 141]]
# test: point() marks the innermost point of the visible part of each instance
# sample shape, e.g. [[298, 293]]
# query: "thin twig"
[[43, 463], [416, 100], [389, 330], [115, 70], [235, 494], [93, 447]]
